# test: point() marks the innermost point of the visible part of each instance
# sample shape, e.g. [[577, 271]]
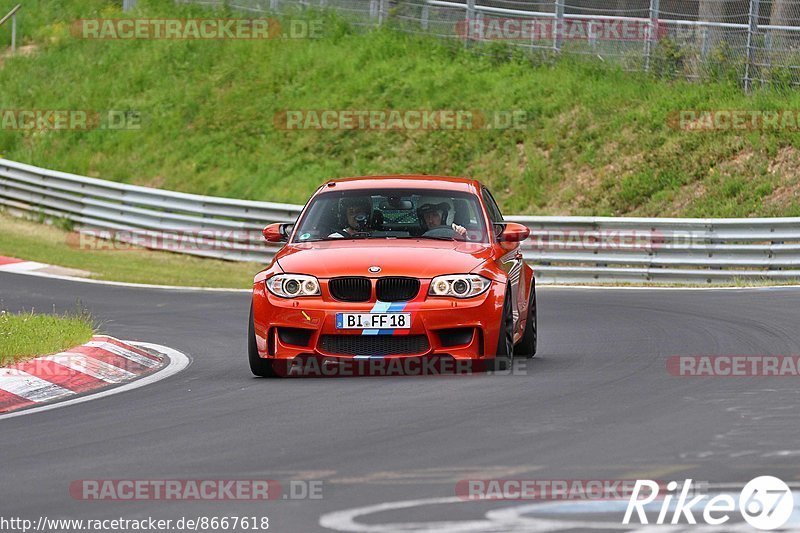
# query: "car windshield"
[[392, 214]]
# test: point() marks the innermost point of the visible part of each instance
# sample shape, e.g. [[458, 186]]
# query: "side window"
[[491, 205]]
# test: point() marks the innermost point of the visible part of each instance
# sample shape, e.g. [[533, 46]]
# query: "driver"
[[354, 212], [434, 216]]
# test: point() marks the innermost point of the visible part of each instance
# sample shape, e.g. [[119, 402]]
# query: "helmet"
[[364, 202], [426, 206]]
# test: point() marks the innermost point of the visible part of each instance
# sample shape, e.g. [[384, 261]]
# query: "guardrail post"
[[470, 21], [13, 33], [558, 25], [652, 26], [13, 16], [749, 66], [704, 41]]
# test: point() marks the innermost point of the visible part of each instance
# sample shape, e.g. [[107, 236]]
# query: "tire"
[[527, 344], [260, 367], [505, 341]]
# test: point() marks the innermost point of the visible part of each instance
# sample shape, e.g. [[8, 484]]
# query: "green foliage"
[[595, 139], [668, 59], [29, 334]]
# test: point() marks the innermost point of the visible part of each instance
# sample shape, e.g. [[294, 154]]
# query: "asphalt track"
[[597, 403]]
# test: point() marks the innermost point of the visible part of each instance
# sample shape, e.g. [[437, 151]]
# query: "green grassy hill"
[[597, 140]]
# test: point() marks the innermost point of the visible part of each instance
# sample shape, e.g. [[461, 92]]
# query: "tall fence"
[[758, 41], [562, 249]]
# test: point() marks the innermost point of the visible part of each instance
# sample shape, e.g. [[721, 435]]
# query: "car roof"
[[411, 181]]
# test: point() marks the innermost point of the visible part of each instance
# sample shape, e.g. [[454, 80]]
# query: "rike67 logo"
[[765, 503]]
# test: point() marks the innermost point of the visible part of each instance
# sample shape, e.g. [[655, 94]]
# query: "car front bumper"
[[459, 329]]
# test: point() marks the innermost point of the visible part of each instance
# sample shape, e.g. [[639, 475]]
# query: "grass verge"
[[26, 335], [47, 244], [596, 141]]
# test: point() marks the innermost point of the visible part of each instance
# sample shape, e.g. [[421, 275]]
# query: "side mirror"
[[513, 232], [278, 232]]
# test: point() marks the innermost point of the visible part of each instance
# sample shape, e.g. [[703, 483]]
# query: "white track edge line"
[[125, 283], [177, 361], [538, 285]]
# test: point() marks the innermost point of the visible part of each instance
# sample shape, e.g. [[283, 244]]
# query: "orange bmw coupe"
[[394, 268]]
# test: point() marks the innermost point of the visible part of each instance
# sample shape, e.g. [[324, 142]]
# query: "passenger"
[[434, 216]]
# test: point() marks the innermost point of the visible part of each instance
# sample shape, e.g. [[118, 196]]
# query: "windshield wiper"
[[358, 237], [436, 237]]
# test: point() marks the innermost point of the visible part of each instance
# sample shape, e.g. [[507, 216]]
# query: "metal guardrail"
[[562, 249], [13, 16], [159, 219], [663, 250]]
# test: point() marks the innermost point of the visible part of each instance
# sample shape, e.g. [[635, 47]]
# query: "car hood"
[[413, 258]]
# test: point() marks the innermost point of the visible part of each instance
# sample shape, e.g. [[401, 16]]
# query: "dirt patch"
[[784, 196], [786, 164], [24, 51], [685, 197], [64, 271], [786, 167], [522, 157], [156, 182], [739, 164]]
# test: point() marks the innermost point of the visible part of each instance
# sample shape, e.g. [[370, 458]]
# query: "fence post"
[[749, 66], [425, 15], [470, 21], [652, 26], [13, 33], [704, 42], [381, 11], [558, 26], [127, 5]]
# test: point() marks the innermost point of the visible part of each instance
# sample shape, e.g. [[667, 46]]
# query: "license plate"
[[373, 320]]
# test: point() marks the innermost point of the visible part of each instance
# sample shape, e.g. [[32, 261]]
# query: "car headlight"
[[458, 285], [293, 285]]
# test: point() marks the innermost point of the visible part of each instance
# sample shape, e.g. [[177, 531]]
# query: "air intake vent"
[[397, 289], [350, 289], [296, 336], [374, 345]]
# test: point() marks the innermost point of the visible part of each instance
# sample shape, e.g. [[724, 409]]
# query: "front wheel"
[[527, 345], [505, 341], [260, 367]]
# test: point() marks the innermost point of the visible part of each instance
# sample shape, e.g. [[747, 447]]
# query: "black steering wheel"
[[443, 232]]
